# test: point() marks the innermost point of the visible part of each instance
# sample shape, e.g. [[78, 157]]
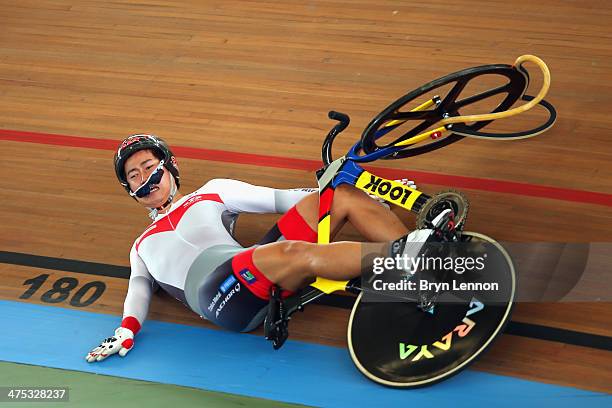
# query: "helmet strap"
[[153, 212]]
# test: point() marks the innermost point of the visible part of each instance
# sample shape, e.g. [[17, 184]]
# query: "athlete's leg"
[[294, 264], [372, 220]]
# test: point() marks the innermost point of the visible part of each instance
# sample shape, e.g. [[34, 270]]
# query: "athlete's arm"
[[240, 197], [135, 310], [140, 290]]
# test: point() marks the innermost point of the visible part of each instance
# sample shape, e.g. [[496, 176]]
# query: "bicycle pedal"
[[276, 323]]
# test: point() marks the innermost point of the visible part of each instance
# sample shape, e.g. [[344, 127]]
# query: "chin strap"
[[153, 212]]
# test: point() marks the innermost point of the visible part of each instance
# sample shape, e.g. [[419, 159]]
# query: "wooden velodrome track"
[[259, 77]]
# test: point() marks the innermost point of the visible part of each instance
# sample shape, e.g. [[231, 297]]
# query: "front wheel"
[[396, 343]]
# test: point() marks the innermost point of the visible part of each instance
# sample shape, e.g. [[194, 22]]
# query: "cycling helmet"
[[137, 142]]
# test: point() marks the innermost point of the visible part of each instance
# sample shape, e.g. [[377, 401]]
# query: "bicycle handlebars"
[[344, 120]]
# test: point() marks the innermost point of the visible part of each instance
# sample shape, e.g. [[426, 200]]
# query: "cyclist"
[[190, 252]]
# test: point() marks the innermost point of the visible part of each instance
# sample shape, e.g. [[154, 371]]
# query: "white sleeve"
[[140, 289], [240, 197]]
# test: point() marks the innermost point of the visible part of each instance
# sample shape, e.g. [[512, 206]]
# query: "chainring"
[[453, 199]]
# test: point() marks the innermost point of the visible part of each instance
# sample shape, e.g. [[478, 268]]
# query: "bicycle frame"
[[348, 170], [345, 171]]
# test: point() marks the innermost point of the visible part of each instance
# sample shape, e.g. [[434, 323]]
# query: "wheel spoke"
[[453, 94], [415, 130], [481, 96], [428, 114]]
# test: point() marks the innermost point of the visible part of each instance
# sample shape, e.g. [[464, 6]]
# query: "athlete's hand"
[[407, 183], [121, 343]]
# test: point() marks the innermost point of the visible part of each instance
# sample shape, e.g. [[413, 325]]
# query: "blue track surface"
[[241, 364]]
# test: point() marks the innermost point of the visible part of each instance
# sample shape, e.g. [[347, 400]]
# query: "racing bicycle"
[[425, 335]]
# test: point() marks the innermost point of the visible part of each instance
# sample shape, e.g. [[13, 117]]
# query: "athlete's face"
[[138, 168]]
